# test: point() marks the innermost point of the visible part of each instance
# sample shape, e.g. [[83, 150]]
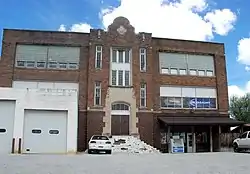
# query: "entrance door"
[[120, 119], [120, 125], [189, 142]]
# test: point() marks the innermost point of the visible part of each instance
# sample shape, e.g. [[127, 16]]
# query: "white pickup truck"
[[242, 142]]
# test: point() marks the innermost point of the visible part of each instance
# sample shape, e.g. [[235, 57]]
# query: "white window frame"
[[203, 71], [182, 71], [143, 105], [123, 78], [212, 73], [143, 53], [193, 70], [164, 70], [98, 51], [175, 69], [95, 93]]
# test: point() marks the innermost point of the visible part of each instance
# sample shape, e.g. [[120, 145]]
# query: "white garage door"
[[45, 131], [7, 115]]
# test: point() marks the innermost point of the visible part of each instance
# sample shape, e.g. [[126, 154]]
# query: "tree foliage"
[[240, 108]]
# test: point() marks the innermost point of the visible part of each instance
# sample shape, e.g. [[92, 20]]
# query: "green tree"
[[239, 108]]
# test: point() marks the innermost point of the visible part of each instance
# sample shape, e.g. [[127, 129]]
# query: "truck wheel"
[[89, 152], [236, 148]]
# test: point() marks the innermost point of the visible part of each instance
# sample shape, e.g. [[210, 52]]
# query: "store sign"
[[199, 102], [188, 102]]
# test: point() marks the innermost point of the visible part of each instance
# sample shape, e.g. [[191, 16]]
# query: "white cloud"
[[247, 68], [62, 28], [222, 20], [237, 91], [244, 51], [183, 19], [81, 27]]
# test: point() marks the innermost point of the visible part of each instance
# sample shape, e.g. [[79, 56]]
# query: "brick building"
[[127, 83]]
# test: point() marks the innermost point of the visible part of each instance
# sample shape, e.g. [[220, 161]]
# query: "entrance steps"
[[131, 144]]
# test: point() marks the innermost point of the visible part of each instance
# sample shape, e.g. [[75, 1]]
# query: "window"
[[53, 131], [191, 62], [143, 95], [53, 65], [73, 66], [183, 72], [50, 57], [244, 135], [2, 130], [188, 97], [173, 71], [248, 135], [209, 73], [36, 131], [201, 72], [120, 56], [114, 56], [143, 58], [113, 77], [120, 106], [120, 78], [127, 57], [192, 72], [30, 64], [62, 65], [97, 98], [171, 102], [41, 64], [20, 64], [127, 79], [99, 137], [98, 57], [165, 71]]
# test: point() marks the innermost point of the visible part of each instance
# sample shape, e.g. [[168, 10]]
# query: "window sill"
[[186, 75], [45, 69], [110, 86], [97, 107]]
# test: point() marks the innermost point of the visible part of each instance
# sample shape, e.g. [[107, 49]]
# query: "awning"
[[219, 120]]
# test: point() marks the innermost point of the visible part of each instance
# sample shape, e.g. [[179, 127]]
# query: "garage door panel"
[[7, 116], [45, 132]]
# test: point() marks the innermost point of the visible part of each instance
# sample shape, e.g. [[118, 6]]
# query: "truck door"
[[243, 140], [248, 140]]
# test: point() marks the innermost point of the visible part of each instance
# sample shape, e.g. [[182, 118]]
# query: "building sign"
[[56, 92], [188, 102], [199, 102]]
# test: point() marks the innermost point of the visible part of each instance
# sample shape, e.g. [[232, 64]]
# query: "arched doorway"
[[120, 113]]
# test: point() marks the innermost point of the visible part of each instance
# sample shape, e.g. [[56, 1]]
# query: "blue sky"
[[219, 21]]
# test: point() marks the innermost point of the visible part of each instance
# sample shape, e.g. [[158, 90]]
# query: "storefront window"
[[171, 102]]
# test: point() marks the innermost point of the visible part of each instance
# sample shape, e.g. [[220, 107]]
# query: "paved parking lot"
[[203, 163]]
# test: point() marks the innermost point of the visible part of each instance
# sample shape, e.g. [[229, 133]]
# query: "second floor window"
[[143, 58], [120, 78], [98, 57], [97, 95], [47, 57]]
